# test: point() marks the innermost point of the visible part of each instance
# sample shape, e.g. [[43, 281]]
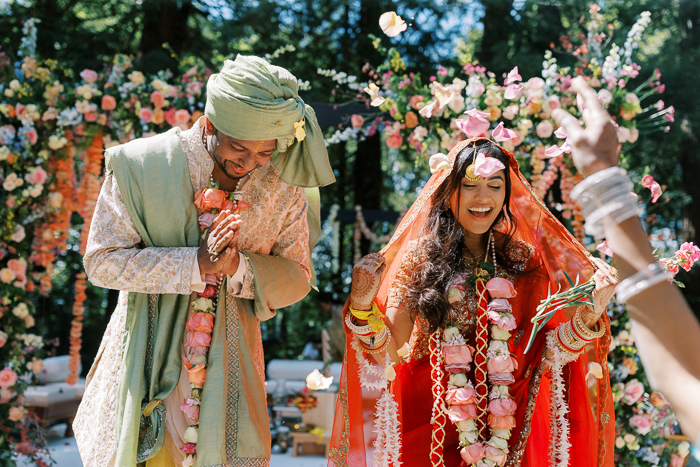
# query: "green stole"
[[153, 178], [154, 182]]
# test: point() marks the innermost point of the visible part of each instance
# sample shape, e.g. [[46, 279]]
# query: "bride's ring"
[[213, 253]]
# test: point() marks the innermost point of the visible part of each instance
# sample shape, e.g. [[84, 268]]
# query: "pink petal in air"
[[512, 77], [560, 133], [473, 126], [556, 151], [487, 166], [604, 248], [477, 113], [513, 91], [503, 134], [649, 182]]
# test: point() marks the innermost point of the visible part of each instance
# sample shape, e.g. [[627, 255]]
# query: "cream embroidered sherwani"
[[116, 258]]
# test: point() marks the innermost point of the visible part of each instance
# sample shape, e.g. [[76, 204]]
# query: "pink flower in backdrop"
[[416, 101], [692, 249], [182, 117], [544, 129], [158, 99], [108, 102], [649, 182], [37, 177], [357, 120], [685, 260], [146, 114], [89, 76], [670, 265], [473, 453], [641, 423], [632, 392], [7, 377], [394, 140]]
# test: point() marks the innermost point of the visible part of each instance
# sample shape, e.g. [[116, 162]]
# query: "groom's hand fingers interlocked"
[[219, 249]]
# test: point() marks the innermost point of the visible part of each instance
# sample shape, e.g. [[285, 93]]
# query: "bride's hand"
[[366, 277], [605, 282]]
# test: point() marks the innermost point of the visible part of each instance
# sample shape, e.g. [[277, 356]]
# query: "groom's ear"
[[210, 128]]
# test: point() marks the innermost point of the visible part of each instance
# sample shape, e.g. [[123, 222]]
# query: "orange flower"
[[502, 423], [207, 199], [201, 322], [411, 119], [158, 116], [196, 374]]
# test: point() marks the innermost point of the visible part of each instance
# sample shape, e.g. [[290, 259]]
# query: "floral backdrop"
[[54, 125]]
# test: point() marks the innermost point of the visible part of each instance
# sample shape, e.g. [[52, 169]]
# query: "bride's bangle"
[[644, 279]]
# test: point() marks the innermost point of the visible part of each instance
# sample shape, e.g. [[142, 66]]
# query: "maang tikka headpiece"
[[469, 173]]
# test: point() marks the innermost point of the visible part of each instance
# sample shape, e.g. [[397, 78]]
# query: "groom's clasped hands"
[[219, 251]]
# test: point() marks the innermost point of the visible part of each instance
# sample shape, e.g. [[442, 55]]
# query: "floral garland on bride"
[[462, 398], [200, 325]]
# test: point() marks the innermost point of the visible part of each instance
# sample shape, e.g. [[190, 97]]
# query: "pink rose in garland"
[[462, 412], [207, 199], [191, 409], [495, 455], [198, 339], [506, 422], [649, 182], [460, 396], [473, 453], [457, 355], [501, 364], [201, 322], [502, 407], [501, 288]]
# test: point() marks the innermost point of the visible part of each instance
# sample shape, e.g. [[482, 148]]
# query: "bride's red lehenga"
[[545, 250]]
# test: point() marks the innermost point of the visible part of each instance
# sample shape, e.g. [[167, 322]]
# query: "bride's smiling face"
[[477, 204]]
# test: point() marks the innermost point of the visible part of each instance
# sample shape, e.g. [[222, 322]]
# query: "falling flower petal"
[[595, 369], [649, 182], [373, 91], [561, 133], [438, 162], [392, 24], [403, 351], [427, 110], [513, 76], [553, 151], [487, 166], [604, 248], [503, 134], [317, 381], [477, 113], [513, 91], [390, 373], [473, 126]]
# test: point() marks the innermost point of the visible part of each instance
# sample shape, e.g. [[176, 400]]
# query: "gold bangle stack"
[[574, 334], [378, 347]]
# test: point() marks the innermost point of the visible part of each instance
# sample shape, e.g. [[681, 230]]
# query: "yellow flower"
[[299, 132]]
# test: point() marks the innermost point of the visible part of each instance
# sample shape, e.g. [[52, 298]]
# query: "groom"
[[259, 139]]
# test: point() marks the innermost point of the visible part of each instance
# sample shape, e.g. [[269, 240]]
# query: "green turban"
[[253, 100]]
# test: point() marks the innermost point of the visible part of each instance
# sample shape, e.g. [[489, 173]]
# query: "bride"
[[445, 309]]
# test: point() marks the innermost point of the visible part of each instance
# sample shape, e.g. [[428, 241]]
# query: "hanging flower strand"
[[200, 325]]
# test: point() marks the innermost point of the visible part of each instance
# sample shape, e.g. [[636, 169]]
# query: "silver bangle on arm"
[[644, 279], [605, 198]]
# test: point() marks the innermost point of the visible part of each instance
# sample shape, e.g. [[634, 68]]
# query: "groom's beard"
[[221, 163]]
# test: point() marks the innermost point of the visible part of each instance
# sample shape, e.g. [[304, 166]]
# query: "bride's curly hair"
[[444, 241]]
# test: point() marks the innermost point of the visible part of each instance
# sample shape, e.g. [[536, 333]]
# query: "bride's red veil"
[[558, 252]]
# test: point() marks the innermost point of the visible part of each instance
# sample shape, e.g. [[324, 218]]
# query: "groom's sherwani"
[[234, 428]]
